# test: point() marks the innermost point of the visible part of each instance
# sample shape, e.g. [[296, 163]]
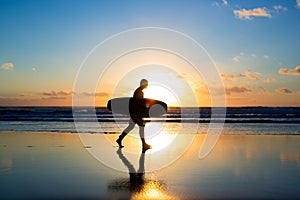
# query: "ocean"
[[239, 120]]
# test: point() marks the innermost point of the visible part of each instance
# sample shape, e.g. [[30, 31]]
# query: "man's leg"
[[125, 132], [142, 135]]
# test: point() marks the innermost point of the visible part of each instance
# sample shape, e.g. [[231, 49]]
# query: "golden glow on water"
[[153, 190]]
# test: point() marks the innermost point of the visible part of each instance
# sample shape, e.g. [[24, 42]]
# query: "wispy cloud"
[[232, 77], [37, 99], [225, 2], [34, 69], [251, 75], [249, 14], [269, 80], [264, 91], [298, 3], [57, 93], [98, 94], [236, 89], [49, 98], [54, 98], [266, 57], [295, 71], [7, 66], [236, 59], [278, 8], [283, 91], [217, 4], [248, 74]]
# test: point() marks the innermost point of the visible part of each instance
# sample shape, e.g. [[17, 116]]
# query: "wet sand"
[[58, 165]]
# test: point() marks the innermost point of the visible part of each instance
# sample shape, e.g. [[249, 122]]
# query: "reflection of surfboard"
[[144, 107]]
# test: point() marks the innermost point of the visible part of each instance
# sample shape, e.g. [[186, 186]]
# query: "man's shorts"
[[138, 120]]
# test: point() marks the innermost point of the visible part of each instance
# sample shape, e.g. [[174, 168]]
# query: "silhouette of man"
[[137, 179], [136, 118]]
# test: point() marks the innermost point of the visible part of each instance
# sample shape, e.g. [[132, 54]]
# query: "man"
[[136, 118]]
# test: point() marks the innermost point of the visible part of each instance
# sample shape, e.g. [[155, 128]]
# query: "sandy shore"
[[58, 165]]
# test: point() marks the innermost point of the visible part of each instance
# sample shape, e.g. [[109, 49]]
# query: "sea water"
[[238, 120]]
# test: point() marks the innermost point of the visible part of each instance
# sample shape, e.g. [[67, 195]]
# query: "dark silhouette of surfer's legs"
[[142, 135], [137, 180], [130, 126], [125, 132], [125, 161], [141, 169]]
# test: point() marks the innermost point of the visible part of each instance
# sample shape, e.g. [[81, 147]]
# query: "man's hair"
[[143, 82]]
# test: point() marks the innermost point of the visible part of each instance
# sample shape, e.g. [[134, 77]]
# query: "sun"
[[162, 93]]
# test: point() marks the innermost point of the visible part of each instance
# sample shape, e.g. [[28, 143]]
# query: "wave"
[[174, 115]]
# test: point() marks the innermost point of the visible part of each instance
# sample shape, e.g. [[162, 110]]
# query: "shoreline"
[[117, 133]]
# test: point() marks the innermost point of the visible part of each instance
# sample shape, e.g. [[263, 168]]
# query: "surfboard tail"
[[108, 105]]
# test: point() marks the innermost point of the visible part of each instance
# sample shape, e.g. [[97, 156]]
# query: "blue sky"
[[44, 42]]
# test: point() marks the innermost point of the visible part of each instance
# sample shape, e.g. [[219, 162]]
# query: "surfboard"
[[145, 107]]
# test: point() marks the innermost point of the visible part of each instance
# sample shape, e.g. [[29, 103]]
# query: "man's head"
[[144, 83]]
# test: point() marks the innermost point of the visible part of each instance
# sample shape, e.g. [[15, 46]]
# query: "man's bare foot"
[[146, 147], [119, 143]]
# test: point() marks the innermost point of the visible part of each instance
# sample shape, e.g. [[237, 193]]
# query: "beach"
[[43, 165]]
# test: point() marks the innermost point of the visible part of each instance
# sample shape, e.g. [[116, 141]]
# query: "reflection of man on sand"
[[136, 118], [137, 180], [138, 185]]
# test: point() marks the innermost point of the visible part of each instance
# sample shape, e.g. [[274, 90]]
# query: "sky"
[[253, 43]]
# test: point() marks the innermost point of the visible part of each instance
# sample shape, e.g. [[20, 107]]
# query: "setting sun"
[[161, 93]]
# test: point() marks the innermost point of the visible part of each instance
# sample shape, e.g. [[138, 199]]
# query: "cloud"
[[295, 71], [266, 57], [57, 98], [98, 94], [216, 4], [251, 75], [278, 8], [236, 59], [52, 93], [101, 94], [34, 69], [298, 3], [225, 2], [258, 73], [7, 66], [65, 93], [283, 91], [248, 74], [249, 14], [57, 94], [54, 98], [231, 76], [269, 80], [236, 89], [264, 91]]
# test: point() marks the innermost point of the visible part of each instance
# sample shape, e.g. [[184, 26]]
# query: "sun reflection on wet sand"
[[138, 184], [59, 165]]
